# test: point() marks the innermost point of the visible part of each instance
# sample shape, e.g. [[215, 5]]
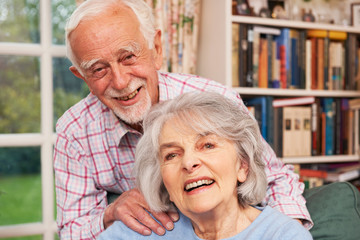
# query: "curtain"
[[178, 21]]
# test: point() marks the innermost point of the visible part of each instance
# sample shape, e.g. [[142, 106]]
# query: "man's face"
[[117, 64]]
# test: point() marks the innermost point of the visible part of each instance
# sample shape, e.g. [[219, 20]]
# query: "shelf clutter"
[[308, 126], [311, 126], [298, 72], [290, 58]]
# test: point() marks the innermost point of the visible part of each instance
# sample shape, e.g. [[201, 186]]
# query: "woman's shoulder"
[[276, 225], [119, 231]]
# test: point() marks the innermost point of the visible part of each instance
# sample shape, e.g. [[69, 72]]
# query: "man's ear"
[[76, 72], [158, 55]]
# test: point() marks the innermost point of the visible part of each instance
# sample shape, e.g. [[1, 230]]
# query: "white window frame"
[[46, 138]]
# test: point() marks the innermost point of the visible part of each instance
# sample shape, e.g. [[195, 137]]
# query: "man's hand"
[[131, 208]]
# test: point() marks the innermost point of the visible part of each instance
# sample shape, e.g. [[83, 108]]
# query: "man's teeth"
[[198, 183], [132, 95]]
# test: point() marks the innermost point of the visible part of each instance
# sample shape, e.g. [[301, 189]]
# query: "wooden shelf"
[[321, 159], [295, 92], [293, 24]]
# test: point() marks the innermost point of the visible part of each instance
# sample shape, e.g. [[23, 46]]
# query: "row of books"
[[320, 174], [308, 126], [287, 58]]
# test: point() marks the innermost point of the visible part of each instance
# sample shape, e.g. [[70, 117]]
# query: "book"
[[302, 59], [314, 63], [278, 131], [267, 30], [354, 103], [243, 48], [337, 126], [328, 125], [264, 115], [283, 102], [255, 57], [284, 48], [235, 54], [333, 35], [356, 132], [320, 64], [259, 104], [249, 57], [344, 174], [315, 128], [344, 126], [296, 131], [304, 172], [263, 63], [308, 64], [294, 82]]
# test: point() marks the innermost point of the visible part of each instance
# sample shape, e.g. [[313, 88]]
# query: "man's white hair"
[[91, 8]]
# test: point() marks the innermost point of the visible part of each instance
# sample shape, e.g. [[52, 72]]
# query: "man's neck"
[[137, 127]]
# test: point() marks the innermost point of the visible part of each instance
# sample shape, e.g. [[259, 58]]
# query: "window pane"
[[35, 237], [61, 11], [68, 89], [20, 185], [19, 21], [20, 94]]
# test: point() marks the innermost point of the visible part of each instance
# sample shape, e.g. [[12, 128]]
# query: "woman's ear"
[[243, 171], [158, 57]]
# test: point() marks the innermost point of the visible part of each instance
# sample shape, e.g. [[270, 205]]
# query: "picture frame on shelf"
[[355, 14]]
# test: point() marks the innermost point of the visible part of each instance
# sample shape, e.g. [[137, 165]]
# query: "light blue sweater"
[[270, 224]]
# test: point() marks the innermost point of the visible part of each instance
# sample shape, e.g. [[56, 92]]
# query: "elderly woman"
[[201, 154]]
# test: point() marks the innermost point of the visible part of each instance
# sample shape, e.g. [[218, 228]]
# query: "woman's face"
[[200, 171]]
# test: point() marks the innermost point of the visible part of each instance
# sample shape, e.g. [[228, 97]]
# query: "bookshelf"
[[215, 60]]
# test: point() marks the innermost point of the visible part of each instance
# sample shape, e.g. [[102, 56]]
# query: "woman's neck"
[[223, 224]]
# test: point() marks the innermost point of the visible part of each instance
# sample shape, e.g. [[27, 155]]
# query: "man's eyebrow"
[[131, 47], [87, 64]]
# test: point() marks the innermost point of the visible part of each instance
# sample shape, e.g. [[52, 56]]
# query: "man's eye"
[[129, 59], [98, 72], [129, 56]]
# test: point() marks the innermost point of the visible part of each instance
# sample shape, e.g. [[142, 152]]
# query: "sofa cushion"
[[335, 210]]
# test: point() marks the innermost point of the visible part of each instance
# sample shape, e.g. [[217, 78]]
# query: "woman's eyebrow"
[[167, 145]]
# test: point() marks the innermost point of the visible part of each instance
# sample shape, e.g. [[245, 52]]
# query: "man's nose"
[[120, 77]]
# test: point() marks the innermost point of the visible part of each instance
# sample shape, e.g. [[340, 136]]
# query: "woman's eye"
[[170, 156], [209, 146]]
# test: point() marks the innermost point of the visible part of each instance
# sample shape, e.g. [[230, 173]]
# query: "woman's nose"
[[191, 163]]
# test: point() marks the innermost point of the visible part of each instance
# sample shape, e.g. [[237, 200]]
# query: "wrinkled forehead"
[[190, 122]]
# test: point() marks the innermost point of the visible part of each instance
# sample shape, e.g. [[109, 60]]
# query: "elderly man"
[[115, 48]]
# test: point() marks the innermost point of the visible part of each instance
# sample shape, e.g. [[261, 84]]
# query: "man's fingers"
[[146, 219], [135, 225], [174, 216], [165, 219]]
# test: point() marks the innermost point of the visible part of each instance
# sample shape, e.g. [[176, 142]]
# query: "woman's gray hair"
[[202, 112], [91, 8]]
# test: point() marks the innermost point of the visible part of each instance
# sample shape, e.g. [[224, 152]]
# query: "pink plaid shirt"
[[94, 154]]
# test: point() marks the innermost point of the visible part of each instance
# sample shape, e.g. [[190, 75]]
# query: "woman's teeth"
[[198, 184], [132, 95]]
